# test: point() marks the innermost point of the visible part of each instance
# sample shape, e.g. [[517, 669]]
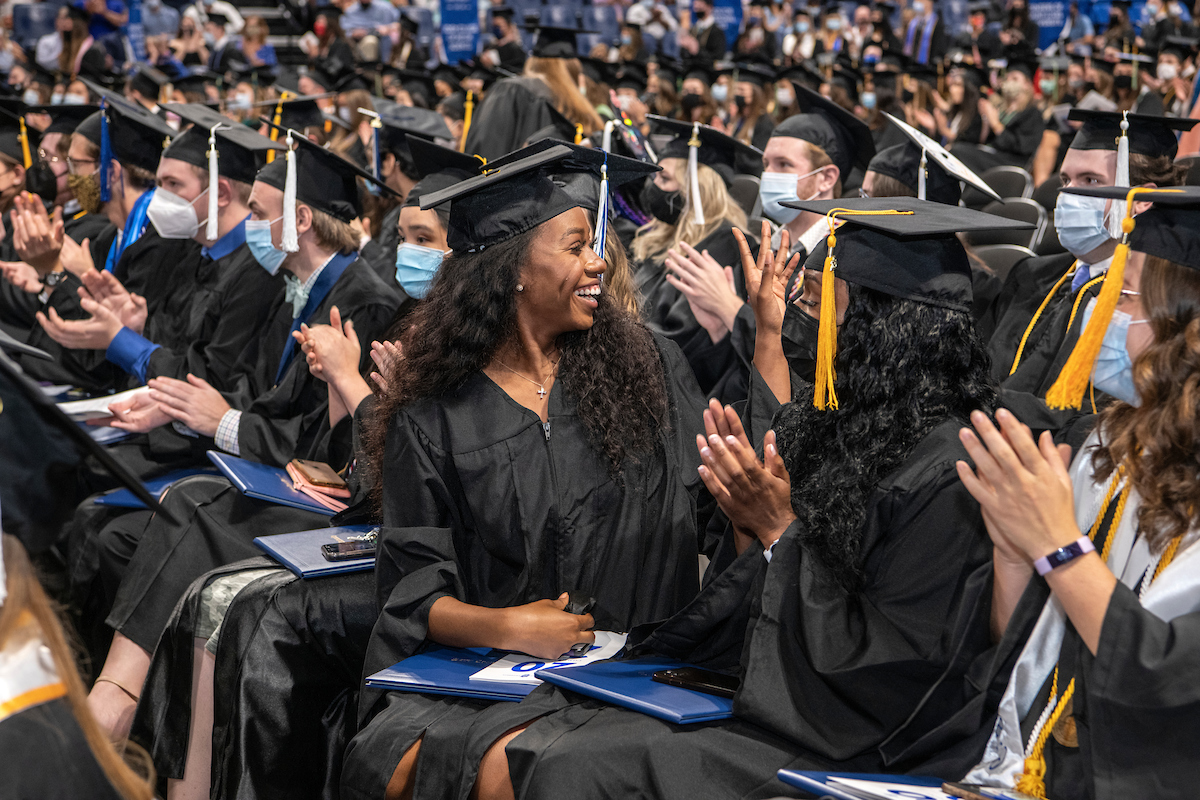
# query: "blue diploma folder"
[[629, 684], [123, 498], [448, 670], [264, 482], [301, 552], [816, 783]]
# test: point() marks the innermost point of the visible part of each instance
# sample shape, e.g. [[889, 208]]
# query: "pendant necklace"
[[541, 386]]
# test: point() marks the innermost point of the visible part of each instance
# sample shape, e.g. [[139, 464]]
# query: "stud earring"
[[520, 288]]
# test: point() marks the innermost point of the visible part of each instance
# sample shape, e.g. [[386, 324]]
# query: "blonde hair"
[[132, 774], [332, 233], [656, 238], [817, 158], [556, 74], [355, 99]]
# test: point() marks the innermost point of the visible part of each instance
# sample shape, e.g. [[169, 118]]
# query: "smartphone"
[[700, 680], [319, 474], [348, 551]]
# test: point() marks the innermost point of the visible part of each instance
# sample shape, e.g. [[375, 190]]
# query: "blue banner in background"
[[460, 29], [728, 14], [134, 30], [1050, 15]]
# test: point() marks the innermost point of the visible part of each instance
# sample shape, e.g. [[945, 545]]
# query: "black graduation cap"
[[297, 114], [910, 250], [803, 74], [217, 18], [1148, 135], [1103, 64], [668, 69], [439, 168], [586, 161], [241, 151], [1169, 229], [453, 107], [263, 75], [556, 42], [193, 82], [559, 128], [979, 7], [349, 83], [41, 450], [448, 75], [148, 81], [64, 119], [599, 70], [417, 82], [701, 72], [1181, 47], [409, 23], [322, 179], [631, 75], [717, 150], [18, 141], [137, 136], [844, 137], [943, 169], [758, 74], [398, 122], [321, 76], [503, 202], [40, 74]]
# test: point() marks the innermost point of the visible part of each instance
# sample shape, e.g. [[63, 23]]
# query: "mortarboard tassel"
[[921, 177], [1068, 388], [1118, 207], [275, 124], [598, 244], [105, 153], [606, 144], [694, 175], [25, 154], [825, 396], [468, 112], [290, 240], [210, 231], [578, 134]]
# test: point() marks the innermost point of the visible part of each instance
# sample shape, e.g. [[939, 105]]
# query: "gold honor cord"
[[1037, 315], [468, 113], [1068, 388], [277, 120], [825, 396], [25, 143]]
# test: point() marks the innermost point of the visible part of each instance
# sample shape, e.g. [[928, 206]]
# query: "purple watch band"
[[1074, 550]]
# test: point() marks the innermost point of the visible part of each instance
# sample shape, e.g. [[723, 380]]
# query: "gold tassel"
[[468, 112], [1068, 388], [25, 144], [578, 134], [1032, 779], [276, 120]]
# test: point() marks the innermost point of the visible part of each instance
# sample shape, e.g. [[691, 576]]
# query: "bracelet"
[[1064, 555]]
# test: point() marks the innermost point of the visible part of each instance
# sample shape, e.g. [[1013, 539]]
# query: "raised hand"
[[94, 333], [385, 355], [767, 279], [708, 287], [332, 351], [755, 495], [37, 238], [105, 289], [76, 258]]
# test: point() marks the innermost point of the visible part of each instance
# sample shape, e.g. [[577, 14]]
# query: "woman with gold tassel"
[[1103, 701]]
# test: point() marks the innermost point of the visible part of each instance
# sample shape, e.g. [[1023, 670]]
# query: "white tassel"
[[921, 177], [608, 132], [1118, 206], [290, 241], [694, 175], [210, 231], [599, 242]]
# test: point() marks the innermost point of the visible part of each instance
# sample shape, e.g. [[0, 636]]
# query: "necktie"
[[1083, 274], [295, 293]]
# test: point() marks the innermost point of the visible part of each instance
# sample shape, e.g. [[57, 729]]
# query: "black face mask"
[[1123, 82], [1114, 22], [800, 342], [665, 206], [691, 101], [740, 102], [40, 180], [906, 96]]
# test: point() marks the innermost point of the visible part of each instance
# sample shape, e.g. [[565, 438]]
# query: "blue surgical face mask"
[[258, 237], [720, 93], [1113, 372], [802, 26], [31, 98], [56, 98], [776, 187], [1079, 222], [867, 99], [626, 39], [918, 7], [415, 268]]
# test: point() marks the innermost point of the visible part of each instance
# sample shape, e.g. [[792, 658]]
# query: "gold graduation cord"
[[578, 133], [468, 112], [25, 143], [1068, 388], [1037, 315], [276, 120], [825, 396]]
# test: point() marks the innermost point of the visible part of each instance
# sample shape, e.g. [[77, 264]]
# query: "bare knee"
[[400, 787], [493, 781]]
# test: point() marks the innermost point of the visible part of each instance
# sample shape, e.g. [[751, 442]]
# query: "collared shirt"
[[1086, 272], [234, 238], [377, 15]]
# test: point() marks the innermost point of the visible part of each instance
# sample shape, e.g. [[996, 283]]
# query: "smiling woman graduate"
[[536, 445]]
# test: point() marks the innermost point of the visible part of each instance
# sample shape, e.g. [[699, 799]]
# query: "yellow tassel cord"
[[468, 112], [1032, 780], [25, 144], [578, 134], [1037, 315], [1068, 388], [1167, 557], [825, 396], [277, 119]]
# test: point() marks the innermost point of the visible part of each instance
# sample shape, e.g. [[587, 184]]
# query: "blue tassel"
[[105, 153]]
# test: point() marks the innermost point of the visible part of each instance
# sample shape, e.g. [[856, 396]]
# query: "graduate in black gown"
[[275, 411], [1033, 324], [860, 559], [702, 216], [551, 463], [1103, 701]]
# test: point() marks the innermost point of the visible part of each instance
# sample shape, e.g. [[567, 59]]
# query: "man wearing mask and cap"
[[1035, 321]]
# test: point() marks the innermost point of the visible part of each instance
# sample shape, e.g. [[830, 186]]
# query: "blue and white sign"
[[728, 14], [460, 29]]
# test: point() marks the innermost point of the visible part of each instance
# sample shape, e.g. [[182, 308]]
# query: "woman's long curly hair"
[[903, 368], [613, 370], [1158, 442]]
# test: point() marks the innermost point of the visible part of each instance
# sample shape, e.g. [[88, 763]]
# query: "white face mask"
[[172, 216], [784, 97], [1167, 72], [70, 99]]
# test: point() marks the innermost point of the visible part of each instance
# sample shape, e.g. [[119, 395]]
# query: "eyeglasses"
[[863, 193], [76, 166], [49, 158]]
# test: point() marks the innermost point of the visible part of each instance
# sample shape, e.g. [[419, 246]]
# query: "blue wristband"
[[1081, 546]]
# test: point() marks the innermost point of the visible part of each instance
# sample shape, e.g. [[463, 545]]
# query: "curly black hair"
[[613, 370], [903, 368]]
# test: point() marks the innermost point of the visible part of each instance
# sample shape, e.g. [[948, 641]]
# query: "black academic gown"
[[1014, 146], [510, 113], [483, 505], [285, 420], [47, 757], [827, 674], [719, 369]]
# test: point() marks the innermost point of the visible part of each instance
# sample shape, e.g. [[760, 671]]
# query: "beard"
[[86, 189]]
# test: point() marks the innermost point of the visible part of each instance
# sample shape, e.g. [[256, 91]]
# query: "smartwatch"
[[1063, 555]]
